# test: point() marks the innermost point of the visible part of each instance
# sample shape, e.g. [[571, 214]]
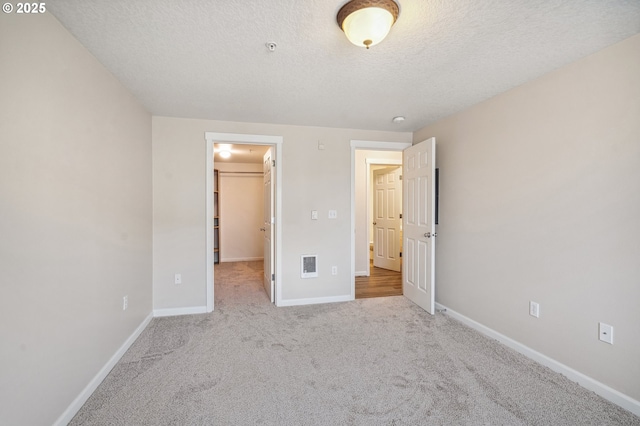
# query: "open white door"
[[387, 222], [269, 217], [418, 221]]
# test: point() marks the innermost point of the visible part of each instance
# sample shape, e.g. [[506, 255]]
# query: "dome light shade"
[[224, 149], [367, 22]]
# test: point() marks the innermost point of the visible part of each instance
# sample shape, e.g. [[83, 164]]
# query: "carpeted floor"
[[379, 361]]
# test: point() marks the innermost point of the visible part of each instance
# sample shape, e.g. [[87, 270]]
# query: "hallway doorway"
[[369, 280]]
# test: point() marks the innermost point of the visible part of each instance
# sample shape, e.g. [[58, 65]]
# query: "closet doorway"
[[237, 222], [239, 213]]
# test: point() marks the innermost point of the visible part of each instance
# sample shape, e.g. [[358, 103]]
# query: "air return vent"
[[309, 266]]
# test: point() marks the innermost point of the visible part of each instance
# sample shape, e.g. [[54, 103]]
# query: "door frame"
[[370, 146], [368, 199], [242, 139]]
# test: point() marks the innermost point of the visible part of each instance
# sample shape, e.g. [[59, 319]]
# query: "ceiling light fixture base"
[[367, 22]]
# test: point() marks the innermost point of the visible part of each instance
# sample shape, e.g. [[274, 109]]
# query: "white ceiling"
[[208, 59]]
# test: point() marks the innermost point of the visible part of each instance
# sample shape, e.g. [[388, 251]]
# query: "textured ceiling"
[[208, 59]]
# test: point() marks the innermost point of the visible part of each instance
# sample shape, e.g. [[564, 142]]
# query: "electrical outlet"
[[333, 214], [125, 303], [334, 270], [606, 333], [534, 309], [177, 280]]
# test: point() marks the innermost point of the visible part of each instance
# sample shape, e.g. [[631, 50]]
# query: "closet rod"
[[241, 173]]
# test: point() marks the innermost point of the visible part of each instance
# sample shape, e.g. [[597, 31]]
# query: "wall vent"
[[309, 265]]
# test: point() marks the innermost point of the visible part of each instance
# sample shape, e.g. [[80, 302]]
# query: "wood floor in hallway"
[[380, 283]]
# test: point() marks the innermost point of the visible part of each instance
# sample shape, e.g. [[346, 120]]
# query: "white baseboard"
[[361, 274], [240, 259], [583, 380], [315, 300], [77, 403], [172, 312]]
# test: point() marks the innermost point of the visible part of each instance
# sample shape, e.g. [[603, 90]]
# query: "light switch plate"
[[314, 214], [534, 309]]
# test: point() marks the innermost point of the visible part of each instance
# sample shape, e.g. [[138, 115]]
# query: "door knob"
[[375, 223], [427, 234], [263, 229]]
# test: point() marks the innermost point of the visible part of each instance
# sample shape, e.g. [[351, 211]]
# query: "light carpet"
[[377, 361]]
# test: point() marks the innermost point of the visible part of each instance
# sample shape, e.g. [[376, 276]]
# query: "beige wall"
[[312, 179], [361, 240], [540, 200], [75, 218], [241, 212]]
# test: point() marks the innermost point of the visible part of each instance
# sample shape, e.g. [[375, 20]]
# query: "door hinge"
[[273, 163], [400, 177], [273, 277], [400, 215]]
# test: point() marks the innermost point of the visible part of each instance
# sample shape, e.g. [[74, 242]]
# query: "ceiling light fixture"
[[398, 119], [224, 150], [367, 22]]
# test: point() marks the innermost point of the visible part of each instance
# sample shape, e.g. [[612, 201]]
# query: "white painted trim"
[[209, 233], [240, 259], [374, 146], [583, 380], [173, 312], [316, 300], [352, 290], [362, 274], [379, 146], [243, 139], [77, 403]]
